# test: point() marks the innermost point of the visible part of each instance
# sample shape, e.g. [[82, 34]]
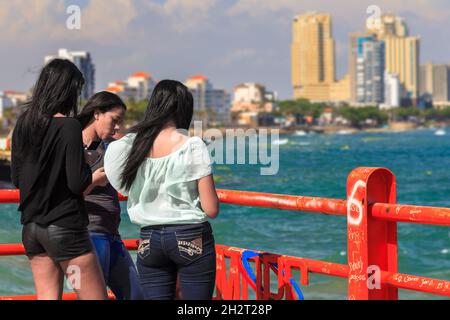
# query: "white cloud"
[[436, 10], [26, 20], [184, 15], [34, 21], [259, 8], [107, 19]]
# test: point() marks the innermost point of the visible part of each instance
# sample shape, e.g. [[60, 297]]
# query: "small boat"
[[344, 132], [439, 132], [280, 141], [300, 133]]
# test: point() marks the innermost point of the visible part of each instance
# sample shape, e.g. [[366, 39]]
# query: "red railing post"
[[371, 243]]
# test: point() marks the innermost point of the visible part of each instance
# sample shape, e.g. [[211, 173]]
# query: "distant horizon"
[[230, 42]]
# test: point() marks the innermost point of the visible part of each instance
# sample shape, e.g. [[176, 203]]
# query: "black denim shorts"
[[58, 242]]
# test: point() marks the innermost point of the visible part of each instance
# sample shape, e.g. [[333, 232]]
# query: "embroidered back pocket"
[[190, 245], [144, 244]]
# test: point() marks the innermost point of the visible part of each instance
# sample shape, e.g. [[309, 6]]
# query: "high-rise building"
[[402, 58], [210, 104], [340, 90], [388, 25], [435, 81], [426, 79], [83, 60], [312, 56], [352, 61], [402, 52], [370, 71]]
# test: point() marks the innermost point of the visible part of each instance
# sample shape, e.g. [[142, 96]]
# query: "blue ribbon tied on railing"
[[250, 275]]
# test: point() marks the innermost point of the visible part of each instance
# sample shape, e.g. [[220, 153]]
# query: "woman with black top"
[[48, 166], [100, 119]]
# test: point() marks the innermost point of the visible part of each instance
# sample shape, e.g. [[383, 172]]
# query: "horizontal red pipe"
[[9, 196], [284, 202], [399, 280], [392, 212], [414, 214], [11, 250], [18, 249], [66, 296], [416, 283]]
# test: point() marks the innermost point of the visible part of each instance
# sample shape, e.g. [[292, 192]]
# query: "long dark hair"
[[170, 101], [103, 101], [56, 91]]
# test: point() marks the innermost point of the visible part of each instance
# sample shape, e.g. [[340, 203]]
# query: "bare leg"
[[48, 277], [86, 277]]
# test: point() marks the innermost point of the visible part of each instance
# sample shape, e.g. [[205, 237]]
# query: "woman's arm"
[[98, 179], [208, 196], [15, 161], [78, 172]]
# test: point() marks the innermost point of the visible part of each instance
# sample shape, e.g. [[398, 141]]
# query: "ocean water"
[[312, 165]]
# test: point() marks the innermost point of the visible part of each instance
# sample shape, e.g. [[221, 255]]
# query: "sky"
[[229, 41]]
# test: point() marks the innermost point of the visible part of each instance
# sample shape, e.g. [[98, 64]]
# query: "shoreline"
[[324, 129]]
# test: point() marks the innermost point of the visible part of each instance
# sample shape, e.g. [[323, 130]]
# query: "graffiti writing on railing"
[[354, 204]]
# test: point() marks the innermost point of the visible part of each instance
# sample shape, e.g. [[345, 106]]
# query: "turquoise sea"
[[312, 165]]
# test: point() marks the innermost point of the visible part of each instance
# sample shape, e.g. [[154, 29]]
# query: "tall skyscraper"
[[83, 60], [402, 52], [388, 25], [370, 71], [312, 56], [352, 61], [435, 81], [402, 58]]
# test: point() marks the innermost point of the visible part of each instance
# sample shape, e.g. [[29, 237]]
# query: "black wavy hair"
[[170, 101], [102, 101], [56, 91]]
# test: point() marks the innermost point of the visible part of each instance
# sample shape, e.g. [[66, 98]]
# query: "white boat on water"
[[439, 132], [280, 141], [300, 133], [344, 132]]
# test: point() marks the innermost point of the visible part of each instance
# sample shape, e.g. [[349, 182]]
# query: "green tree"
[[357, 116], [300, 107]]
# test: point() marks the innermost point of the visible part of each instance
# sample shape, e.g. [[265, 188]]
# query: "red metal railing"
[[372, 216]]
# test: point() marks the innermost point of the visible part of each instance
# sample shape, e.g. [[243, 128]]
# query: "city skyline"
[[230, 42]]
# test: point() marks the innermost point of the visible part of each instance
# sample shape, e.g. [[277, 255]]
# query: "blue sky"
[[230, 41]]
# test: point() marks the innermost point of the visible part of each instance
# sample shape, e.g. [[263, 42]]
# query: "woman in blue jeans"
[[100, 119], [171, 195]]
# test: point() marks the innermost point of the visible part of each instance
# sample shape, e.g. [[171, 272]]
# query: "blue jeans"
[[118, 267], [186, 251]]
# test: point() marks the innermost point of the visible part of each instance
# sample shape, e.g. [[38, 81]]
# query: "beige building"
[[340, 90], [435, 81], [402, 52], [388, 25], [252, 97], [312, 56], [402, 58]]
